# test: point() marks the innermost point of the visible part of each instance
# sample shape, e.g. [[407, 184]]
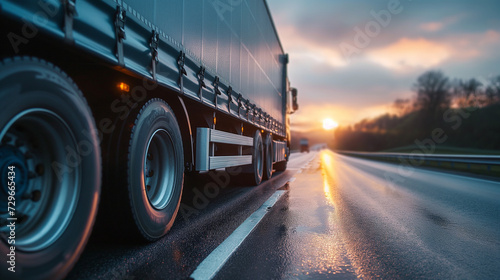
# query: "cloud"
[[475, 55], [310, 50], [431, 26], [471, 47], [463, 50], [408, 52], [434, 53], [443, 24]]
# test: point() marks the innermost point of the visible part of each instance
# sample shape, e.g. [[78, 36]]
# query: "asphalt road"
[[334, 217]]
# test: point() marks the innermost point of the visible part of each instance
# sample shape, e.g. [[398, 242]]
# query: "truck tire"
[[48, 133], [257, 167], [155, 169], [268, 157]]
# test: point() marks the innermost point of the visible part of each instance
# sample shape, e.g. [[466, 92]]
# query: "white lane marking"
[[300, 171], [292, 179], [209, 267]]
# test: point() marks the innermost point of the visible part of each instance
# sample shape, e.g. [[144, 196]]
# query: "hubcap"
[[12, 158], [159, 169], [44, 153]]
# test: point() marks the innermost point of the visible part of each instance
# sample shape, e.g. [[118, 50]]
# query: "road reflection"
[[314, 243], [326, 166]]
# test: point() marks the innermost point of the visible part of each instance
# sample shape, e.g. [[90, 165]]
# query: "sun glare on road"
[[329, 124]]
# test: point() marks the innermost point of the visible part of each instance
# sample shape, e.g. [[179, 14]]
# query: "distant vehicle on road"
[[304, 145]]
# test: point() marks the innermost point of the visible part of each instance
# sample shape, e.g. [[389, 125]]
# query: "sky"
[[350, 59]]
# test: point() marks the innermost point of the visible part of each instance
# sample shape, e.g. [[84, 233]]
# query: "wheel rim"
[[159, 169], [47, 158]]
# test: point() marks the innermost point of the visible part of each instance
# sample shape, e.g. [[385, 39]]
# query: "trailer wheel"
[[257, 167], [268, 157], [155, 169], [48, 141]]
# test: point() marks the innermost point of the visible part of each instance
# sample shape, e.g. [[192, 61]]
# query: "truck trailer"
[[105, 106]]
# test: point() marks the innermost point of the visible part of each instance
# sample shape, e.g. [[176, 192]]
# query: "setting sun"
[[329, 124]]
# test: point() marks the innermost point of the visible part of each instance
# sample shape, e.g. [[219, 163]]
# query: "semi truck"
[[106, 106], [304, 145]]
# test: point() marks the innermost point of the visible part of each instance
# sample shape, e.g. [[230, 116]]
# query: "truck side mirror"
[[295, 104]]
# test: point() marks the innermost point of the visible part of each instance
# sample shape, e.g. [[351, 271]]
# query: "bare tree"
[[403, 106], [493, 90], [433, 92], [467, 92]]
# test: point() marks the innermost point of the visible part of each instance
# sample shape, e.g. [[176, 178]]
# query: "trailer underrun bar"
[[206, 160]]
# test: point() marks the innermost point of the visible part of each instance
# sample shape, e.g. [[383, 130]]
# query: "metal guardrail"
[[488, 160]]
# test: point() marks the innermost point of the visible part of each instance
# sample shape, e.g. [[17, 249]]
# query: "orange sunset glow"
[[329, 124]]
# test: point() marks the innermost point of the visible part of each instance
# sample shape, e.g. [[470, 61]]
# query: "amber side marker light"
[[124, 87]]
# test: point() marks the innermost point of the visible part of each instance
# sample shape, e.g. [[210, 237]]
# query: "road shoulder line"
[[209, 267]]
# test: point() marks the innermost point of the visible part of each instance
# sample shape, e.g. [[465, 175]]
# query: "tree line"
[[466, 111]]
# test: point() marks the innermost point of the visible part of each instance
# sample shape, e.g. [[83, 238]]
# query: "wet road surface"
[[338, 217]]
